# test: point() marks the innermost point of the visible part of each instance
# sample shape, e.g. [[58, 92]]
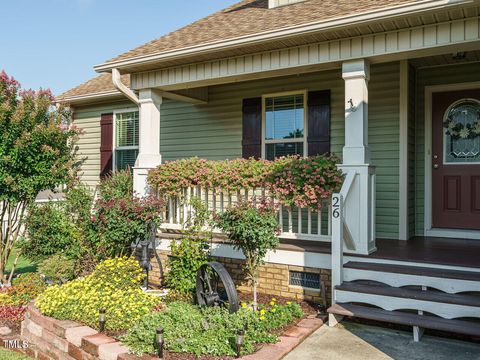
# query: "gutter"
[[117, 82], [298, 30]]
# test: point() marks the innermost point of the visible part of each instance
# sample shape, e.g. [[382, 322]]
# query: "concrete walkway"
[[352, 341]]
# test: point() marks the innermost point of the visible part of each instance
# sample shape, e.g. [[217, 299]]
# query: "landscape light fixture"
[[101, 320], [240, 341], [160, 342]]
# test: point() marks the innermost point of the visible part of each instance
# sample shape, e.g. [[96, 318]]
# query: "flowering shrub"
[[37, 152], [209, 330], [12, 313], [114, 286], [25, 289], [296, 181], [306, 182]]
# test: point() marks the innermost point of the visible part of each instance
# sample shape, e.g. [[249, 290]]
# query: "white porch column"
[[360, 203], [149, 139]]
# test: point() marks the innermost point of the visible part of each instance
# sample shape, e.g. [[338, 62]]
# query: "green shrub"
[[49, 231], [209, 330], [113, 286], [253, 229], [57, 268], [190, 252], [118, 223], [116, 186]]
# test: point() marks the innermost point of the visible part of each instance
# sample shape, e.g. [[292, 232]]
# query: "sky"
[[55, 43]]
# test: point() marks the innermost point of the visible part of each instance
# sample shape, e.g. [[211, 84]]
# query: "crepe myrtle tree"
[[252, 227], [36, 154]]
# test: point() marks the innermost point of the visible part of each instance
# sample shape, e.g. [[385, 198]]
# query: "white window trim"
[[114, 135], [303, 92]]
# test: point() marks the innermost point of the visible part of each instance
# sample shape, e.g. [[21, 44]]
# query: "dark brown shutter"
[[318, 122], [106, 144], [252, 128]]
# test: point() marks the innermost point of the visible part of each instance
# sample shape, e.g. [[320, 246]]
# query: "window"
[[462, 132], [284, 130], [126, 139]]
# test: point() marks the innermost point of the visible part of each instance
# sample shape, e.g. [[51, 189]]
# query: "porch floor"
[[430, 250]]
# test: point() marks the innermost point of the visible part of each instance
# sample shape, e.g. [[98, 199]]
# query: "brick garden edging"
[[52, 339]]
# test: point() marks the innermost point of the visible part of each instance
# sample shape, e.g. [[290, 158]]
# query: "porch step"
[[449, 281], [431, 296], [415, 270], [447, 306], [402, 318]]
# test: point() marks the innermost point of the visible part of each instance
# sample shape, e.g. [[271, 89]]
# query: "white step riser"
[[451, 286], [446, 311]]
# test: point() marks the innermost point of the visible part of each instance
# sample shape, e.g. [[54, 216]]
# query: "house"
[[391, 86]]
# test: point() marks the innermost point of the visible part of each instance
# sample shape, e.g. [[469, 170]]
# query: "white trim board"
[[428, 230], [403, 161], [286, 257]]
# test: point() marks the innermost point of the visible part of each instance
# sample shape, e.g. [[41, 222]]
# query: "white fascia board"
[[106, 95], [352, 20]]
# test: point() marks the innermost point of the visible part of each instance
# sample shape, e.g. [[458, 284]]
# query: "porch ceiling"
[[446, 59]]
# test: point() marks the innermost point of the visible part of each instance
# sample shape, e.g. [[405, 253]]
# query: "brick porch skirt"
[[274, 278]]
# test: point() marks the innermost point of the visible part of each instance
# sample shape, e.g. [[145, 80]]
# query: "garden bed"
[[49, 338]]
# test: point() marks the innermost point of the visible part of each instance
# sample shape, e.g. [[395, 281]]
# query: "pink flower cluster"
[[303, 182]]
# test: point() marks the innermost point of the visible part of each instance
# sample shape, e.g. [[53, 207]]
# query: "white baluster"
[[309, 221], [299, 220], [290, 223]]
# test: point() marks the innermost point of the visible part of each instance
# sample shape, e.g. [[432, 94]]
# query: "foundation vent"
[[305, 279]]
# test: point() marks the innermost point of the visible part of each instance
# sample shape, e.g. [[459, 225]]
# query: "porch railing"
[[295, 222]]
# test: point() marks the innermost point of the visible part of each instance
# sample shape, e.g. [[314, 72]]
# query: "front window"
[[284, 126], [126, 139]]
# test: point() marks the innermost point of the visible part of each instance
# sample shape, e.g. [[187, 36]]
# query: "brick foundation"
[[274, 278]]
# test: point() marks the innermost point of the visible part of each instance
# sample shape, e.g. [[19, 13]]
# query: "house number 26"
[[336, 207]]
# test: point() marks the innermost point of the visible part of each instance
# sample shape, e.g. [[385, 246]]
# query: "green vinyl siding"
[[214, 130], [88, 120], [441, 75], [383, 137]]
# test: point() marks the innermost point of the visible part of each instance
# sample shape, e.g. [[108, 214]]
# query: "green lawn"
[[23, 265], [10, 355]]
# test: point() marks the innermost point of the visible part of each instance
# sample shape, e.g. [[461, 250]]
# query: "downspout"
[[117, 82]]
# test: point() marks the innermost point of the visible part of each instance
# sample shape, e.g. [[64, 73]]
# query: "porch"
[[424, 251]]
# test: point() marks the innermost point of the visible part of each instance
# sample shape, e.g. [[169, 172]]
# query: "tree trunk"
[[255, 304]]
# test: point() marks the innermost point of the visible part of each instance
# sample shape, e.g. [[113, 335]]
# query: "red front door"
[[456, 159]]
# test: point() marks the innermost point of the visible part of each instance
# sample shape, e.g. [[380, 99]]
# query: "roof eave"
[[79, 100], [304, 29]]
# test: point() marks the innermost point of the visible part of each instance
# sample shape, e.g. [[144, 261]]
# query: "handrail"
[[340, 231]]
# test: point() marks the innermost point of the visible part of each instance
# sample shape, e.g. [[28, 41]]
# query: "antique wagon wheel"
[[215, 287]]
